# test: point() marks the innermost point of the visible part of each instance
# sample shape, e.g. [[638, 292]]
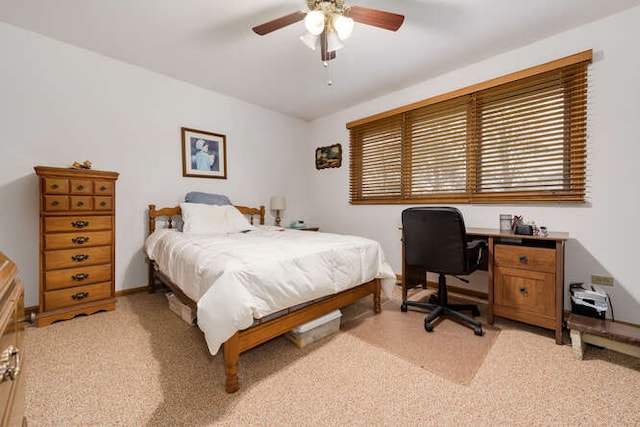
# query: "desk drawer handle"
[[80, 204], [80, 257], [79, 224], [80, 296], [523, 259], [103, 188], [523, 290], [80, 240], [80, 187], [54, 187], [55, 203], [103, 204], [80, 277]]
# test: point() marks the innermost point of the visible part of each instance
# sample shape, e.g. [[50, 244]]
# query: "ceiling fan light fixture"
[[309, 40], [314, 22], [333, 42], [343, 26]]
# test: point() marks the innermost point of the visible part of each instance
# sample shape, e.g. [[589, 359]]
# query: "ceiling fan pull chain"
[[329, 74]]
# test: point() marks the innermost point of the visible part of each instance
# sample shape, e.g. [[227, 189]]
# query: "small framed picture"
[[204, 154], [329, 157]]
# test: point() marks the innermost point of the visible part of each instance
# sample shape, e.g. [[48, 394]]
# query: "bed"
[[257, 282]]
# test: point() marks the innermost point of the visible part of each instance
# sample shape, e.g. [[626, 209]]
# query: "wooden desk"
[[525, 275]]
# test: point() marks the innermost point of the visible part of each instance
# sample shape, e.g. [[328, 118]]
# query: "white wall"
[[604, 234], [60, 104]]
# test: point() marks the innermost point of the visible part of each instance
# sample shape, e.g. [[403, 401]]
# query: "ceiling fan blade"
[[377, 18], [278, 23]]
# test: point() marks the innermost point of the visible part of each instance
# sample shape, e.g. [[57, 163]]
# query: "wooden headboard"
[[172, 212]]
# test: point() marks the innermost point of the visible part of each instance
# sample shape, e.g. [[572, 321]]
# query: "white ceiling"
[[209, 43]]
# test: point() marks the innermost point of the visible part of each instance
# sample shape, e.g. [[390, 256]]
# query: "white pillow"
[[213, 219]]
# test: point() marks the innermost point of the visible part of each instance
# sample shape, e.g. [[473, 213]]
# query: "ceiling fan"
[[330, 22]]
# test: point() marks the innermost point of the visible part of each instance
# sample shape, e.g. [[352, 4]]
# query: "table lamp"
[[278, 204]]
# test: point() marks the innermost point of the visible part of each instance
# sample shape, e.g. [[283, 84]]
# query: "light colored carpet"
[[142, 365], [451, 351]]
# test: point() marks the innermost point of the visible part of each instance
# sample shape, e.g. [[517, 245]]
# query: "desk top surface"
[[494, 232]]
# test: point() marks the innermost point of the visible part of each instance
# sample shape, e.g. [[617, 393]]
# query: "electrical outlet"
[[601, 280]]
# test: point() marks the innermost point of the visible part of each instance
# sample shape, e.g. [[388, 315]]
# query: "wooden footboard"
[[261, 332], [248, 338]]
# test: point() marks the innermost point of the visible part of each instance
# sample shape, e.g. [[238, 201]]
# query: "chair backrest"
[[435, 239]]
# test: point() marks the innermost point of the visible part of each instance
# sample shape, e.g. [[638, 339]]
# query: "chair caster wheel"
[[428, 326], [403, 307], [477, 330]]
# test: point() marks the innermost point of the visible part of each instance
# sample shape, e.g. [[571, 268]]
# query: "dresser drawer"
[[528, 258], [55, 186], [78, 276], [525, 291], [75, 223], [103, 203], [74, 296], [56, 203], [80, 186], [105, 188], [54, 260], [81, 203], [77, 239]]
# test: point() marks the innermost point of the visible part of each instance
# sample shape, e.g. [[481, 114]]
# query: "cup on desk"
[[543, 231]]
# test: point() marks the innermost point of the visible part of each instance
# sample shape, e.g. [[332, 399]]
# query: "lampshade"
[[314, 22], [278, 203], [343, 26], [309, 40], [333, 42]]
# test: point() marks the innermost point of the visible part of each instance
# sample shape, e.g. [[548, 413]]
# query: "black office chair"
[[435, 240]]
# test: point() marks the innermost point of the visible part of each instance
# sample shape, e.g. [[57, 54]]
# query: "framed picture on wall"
[[329, 156], [204, 154]]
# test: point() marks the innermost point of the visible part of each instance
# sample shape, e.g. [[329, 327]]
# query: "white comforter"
[[241, 276]]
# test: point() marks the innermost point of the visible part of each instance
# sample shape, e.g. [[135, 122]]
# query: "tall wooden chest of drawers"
[[77, 242]]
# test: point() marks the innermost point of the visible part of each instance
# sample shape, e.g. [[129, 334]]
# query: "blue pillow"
[[206, 198]]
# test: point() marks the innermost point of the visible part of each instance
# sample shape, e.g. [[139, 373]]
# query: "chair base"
[[443, 308]]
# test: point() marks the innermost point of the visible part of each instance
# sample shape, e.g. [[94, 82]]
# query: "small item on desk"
[[505, 222], [524, 229], [543, 231]]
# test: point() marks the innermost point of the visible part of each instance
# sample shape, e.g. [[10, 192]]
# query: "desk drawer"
[[528, 258], [77, 295], [525, 290], [55, 260], [71, 277], [77, 239]]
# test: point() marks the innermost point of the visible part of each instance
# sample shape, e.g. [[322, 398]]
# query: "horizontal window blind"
[[521, 140]]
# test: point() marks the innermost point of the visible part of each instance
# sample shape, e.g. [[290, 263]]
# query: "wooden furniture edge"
[[249, 338]]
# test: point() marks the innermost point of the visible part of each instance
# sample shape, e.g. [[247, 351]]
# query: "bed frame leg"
[[377, 307], [231, 356]]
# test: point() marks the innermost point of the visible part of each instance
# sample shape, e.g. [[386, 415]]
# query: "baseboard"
[[131, 291], [453, 289]]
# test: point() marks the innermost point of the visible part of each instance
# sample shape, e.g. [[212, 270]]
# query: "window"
[[519, 138]]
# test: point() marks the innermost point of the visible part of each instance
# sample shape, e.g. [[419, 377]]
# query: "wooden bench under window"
[[604, 333]]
